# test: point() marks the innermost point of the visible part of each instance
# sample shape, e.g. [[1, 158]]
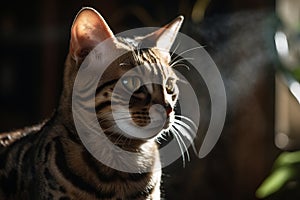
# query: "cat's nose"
[[168, 108]]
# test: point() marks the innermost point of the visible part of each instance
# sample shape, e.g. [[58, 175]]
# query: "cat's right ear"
[[88, 29]]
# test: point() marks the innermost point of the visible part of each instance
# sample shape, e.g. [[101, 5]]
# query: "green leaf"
[[296, 73], [276, 181], [287, 158]]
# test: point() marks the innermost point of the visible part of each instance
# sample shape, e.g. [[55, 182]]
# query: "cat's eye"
[[170, 85], [132, 83]]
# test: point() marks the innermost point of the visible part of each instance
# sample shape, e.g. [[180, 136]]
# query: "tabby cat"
[[49, 161]]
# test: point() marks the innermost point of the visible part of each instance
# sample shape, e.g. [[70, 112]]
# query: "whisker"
[[186, 134], [188, 119], [179, 60], [188, 50], [118, 140], [111, 129], [185, 147], [178, 134], [182, 81], [186, 126], [182, 65], [175, 49], [180, 144], [115, 119]]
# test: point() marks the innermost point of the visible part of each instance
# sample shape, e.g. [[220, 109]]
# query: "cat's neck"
[[64, 110], [146, 156]]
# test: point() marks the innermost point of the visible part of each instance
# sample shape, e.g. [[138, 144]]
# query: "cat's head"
[[152, 63]]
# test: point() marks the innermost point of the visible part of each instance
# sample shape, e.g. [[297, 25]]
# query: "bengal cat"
[[49, 161]]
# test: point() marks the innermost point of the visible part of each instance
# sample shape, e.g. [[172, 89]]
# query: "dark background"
[[34, 38]]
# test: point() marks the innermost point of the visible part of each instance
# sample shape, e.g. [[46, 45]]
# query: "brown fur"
[[49, 161]]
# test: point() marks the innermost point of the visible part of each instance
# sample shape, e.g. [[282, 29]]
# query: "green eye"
[[170, 85], [132, 83]]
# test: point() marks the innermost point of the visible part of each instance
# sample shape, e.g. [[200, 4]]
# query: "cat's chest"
[[120, 187], [77, 175]]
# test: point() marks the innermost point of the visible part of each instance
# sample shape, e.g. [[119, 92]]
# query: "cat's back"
[[9, 138], [16, 148]]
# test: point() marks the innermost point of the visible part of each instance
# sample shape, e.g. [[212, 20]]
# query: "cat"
[[49, 161]]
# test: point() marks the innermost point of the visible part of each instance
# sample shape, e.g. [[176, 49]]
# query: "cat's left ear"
[[88, 29], [164, 37]]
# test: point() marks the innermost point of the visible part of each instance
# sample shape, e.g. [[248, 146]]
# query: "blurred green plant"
[[296, 73], [285, 176]]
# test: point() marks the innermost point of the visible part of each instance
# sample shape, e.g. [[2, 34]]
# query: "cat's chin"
[[133, 131]]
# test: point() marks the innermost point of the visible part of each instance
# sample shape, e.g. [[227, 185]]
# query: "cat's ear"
[[88, 29], [164, 37]]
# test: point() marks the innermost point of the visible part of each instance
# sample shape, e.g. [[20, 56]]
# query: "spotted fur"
[[49, 161]]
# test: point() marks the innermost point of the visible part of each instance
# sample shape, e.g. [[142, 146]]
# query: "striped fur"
[[49, 161]]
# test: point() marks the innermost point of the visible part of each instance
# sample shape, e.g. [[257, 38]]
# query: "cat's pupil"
[[142, 89], [132, 83]]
